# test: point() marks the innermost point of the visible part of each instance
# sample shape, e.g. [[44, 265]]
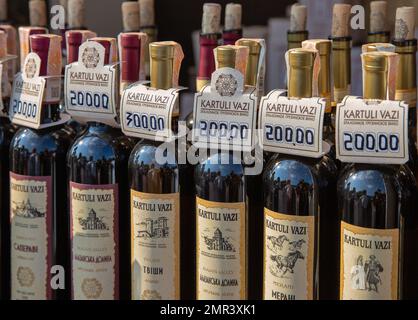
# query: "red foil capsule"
[[232, 36], [207, 59], [131, 47], [40, 46], [75, 39], [106, 44]]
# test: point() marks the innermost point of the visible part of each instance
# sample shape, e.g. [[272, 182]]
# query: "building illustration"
[[92, 222], [153, 228], [26, 210], [218, 242]]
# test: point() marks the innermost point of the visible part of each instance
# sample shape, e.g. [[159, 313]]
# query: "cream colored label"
[[289, 243], [155, 246], [31, 248], [94, 232], [408, 95], [369, 263], [221, 250]]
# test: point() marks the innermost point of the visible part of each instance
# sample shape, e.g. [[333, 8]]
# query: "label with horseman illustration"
[[94, 241], [31, 237], [289, 243], [155, 246], [221, 250], [369, 263]]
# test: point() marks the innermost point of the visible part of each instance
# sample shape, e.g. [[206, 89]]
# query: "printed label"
[[292, 126], [28, 91], [31, 237], [407, 95], [369, 263], [147, 113], [289, 243], [224, 114], [371, 131], [155, 246], [221, 250], [95, 241], [91, 88]]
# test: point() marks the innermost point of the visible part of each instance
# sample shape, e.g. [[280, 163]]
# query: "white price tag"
[[292, 126], [146, 113], [91, 88], [224, 114], [27, 95], [372, 131]]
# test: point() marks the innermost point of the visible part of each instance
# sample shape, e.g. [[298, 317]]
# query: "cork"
[[37, 13], [233, 16], [341, 20], [3, 10], [378, 16], [211, 20], [146, 13], [298, 16], [130, 16], [3, 44], [405, 23], [76, 10]]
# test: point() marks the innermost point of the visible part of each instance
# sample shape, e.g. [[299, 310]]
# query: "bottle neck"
[[97, 127], [300, 82], [50, 113], [161, 73], [375, 85]]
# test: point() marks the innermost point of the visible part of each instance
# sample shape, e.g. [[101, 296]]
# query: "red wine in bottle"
[[38, 184], [99, 212]]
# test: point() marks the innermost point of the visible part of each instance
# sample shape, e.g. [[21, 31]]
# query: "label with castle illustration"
[[289, 243], [155, 246], [95, 241], [221, 250], [31, 237], [369, 263]]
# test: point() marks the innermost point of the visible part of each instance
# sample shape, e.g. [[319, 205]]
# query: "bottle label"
[[407, 95], [155, 246], [289, 243], [221, 250], [224, 113], [372, 131], [369, 263], [94, 241], [28, 90], [292, 126], [91, 87], [31, 237], [147, 113]]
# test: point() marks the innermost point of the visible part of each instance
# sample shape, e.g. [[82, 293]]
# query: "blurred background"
[[180, 21]]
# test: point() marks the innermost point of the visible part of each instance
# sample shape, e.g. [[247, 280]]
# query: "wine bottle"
[[147, 25], [341, 51], [233, 29], [7, 130], [99, 219], [38, 184], [378, 32], [221, 219], [24, 40], [296, 189], [297, 32], [155, 203], [377, 211]]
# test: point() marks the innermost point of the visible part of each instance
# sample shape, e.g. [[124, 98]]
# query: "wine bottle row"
[[302, 193]]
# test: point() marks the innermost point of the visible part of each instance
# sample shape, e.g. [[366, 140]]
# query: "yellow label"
[[95, 245], [221, 250], [31, 237], [289, 243], [155, 237], [369, 263], [407, 95]]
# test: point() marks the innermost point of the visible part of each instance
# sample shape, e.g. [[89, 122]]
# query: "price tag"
[[27, 94], [292, 126], [91, 88], [146, 113], [371, 131], [225, 114]]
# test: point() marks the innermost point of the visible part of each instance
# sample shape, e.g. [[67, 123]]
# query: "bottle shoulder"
[[147, 153]]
